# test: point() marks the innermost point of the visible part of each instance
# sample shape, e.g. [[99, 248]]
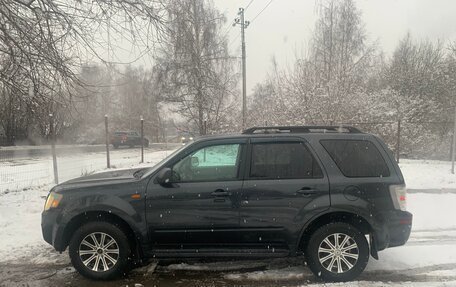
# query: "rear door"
[[362, 171], [284, 186]]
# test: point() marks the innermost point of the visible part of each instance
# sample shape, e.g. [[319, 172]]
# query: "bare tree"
[[196, 69], [323, 85], [44, 42]]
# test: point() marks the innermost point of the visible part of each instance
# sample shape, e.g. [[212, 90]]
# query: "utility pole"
[[244, 25], [54, 154], [453, 148], [108, 160], [142, 139]]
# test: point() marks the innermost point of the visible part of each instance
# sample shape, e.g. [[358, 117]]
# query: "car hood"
[[102, 178]]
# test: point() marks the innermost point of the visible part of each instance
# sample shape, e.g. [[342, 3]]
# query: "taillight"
[[399, 196]]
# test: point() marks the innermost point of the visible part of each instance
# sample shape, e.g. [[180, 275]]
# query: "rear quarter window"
[[357, 158]]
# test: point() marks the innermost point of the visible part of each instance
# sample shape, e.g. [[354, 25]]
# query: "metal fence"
[[24, 167], [31, 166], [27, 167]]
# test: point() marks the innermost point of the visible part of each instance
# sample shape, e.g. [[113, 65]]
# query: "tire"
[[116, 263], [330, 263], [116, 146], [146, 143]]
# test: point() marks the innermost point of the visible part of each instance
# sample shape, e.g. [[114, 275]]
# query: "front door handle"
[[220, 192], [307, 191]]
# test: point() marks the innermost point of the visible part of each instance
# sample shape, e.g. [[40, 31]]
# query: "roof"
[[279, 131], [302, 129]]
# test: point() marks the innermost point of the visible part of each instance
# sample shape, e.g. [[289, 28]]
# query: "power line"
[[234, 40], [227, 31], [245, 9], [257, 15]]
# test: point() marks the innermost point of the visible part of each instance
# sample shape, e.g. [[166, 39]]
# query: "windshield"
[[152, 169]]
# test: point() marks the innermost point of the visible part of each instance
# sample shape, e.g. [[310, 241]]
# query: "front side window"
[[282, 161], [212, 163], [357, 158]]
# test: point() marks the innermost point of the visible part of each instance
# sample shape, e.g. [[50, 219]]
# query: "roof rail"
[[302, 129]]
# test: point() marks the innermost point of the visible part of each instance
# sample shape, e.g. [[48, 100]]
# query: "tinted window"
[[356, 158], [283, 160], [212, 163]]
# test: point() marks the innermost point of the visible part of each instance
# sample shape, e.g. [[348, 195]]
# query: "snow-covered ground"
[[430, 254], [428, 174]]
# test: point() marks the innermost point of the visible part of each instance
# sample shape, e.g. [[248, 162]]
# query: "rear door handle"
[[306, 191], [220, 192]]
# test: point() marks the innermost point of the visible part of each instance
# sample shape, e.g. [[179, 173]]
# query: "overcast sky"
[[286, 25]]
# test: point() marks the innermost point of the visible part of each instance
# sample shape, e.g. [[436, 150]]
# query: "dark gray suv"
[[333, 194]]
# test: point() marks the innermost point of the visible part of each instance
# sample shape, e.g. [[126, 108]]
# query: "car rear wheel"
[[100, 251], [337, 252]]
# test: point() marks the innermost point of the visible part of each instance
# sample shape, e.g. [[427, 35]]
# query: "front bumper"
[[395, 230], [52, 231]]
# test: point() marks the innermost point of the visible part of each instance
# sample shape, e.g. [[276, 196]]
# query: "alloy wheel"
[[99, 252], [338, 253]]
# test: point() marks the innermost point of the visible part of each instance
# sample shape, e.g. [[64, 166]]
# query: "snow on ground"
[[383, 284], [432, 211], [428, 174]]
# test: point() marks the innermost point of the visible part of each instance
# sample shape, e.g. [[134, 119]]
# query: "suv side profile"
[[333, 194]]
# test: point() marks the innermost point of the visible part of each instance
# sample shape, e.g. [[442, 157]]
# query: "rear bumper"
[[396, 229]]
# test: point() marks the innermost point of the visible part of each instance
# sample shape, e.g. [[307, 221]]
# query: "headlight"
[[191, 138], [183, 138], [52, 201]]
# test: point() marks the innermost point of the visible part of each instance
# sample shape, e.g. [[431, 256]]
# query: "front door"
[[284, 184], [200, 208]]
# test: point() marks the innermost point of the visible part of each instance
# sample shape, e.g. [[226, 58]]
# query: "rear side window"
[[283, 160], [357, 158]]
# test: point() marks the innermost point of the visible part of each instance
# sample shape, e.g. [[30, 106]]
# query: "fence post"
[[398, 141], [454, 142], [142, 139], [108, 161], [54, 155]]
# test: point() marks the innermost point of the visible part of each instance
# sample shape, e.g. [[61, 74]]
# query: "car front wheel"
[[337, 252], [100, 251]]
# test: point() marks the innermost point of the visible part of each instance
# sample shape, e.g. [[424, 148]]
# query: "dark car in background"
[[127, 138], [186, 137], [333, 194]]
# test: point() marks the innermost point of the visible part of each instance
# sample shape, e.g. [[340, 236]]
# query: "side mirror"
[[194, 161], [164, 176]]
